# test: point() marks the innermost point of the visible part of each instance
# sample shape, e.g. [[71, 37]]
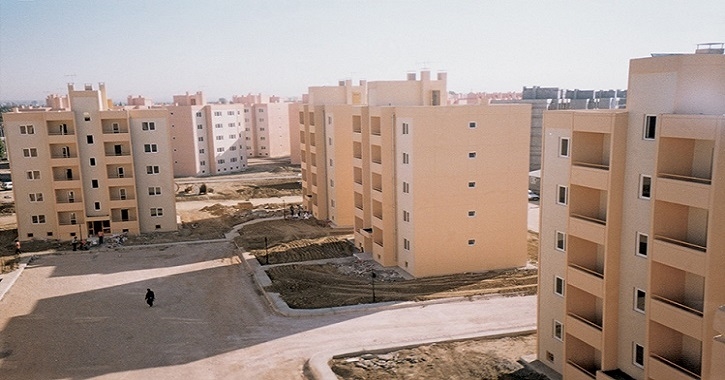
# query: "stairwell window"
[[558, 331], [406, 244], [638, 355], [645, 186], [94, 183], [642, 242], [560, 241], [639, 299], [406, 158], [406, 128], [406, 216], [650, 124], [562, 195], [559, 286], [564, 147]]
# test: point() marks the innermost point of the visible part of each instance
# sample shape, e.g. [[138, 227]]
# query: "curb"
[[7, 280], [319, 369]]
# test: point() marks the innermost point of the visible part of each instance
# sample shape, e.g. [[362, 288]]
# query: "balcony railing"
[[677, 305], [589, 219], [586, 321], [378, 188], [56, 133], [117, 154], [119, 198], [681, 243], [704, 181], [67, 223], [591, 372], [64, 178], [587, 270], [56, 155], [591, 165], [677, 366]]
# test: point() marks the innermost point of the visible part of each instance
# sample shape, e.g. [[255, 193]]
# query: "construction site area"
[[313, 266]]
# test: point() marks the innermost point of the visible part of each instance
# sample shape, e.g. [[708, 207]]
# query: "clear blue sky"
[[158, 48]]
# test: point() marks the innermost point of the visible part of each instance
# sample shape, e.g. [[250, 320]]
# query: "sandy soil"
[[467, 360]]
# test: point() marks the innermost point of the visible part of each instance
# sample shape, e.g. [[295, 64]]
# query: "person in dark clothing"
[[150, 297], [74, 243]]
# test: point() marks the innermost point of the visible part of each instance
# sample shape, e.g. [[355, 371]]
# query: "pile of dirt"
[[533, 247], [7, 208], [221, 210], [306, 250], [283, 231], [466, 360], [325, 285], [270, 191]]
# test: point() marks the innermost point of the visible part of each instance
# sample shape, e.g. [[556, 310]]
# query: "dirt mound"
[[306, 250], [271, 190], [473, 359], [7, 208], [283, 231], [221, 210], [533, 247], [318, 286]]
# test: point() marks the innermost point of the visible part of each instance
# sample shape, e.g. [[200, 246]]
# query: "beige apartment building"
[[632, 244], [81, 166], [267, 126], [435, 189]]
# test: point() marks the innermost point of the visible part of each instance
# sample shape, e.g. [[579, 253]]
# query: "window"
[[30, 152], [558, 330], [37, 219], [89, 139], [201, 151], [639, 298], [86, 116], [472, 184], [471, 241], [261, 110], [262, 138], [27, 130], [219, 137], [148, 126], [650, 122], [220, 161], [549, 356], [261, 119], [199, 126], [406, 216], [152, 169], [638, 355], [92, 161], [230, 113], [33, 174], [471, 213], [217, 113], [471, 154], [406, 244], [233, 159], [231, 125], [564, 147], [218, 125], [329, 139], [406, 128], [406, 158], [558, 286], [198, 114], [202, 163], [150, 148], [645, 186], [471, 124], [406, 187], [642, 244], [220, 150], [36, 197], [233, 147], [154, 190], [94, 183], [562, 195], [97, 205], [200, 139], [560, 241], [232, 136], [157, 211], [332, 183]]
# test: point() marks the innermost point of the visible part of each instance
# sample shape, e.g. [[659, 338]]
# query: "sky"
[[158, 48]]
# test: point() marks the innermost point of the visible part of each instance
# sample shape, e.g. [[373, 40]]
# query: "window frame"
[[649, 129], [560, 337], [642, 178], [638, 245], [634, 355], [559, 280], [635, 305], [562, 146], [561, 247], [559, 188]]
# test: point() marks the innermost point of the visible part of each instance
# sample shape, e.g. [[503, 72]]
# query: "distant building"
[[82, 166], [632, 248], [430, 188]]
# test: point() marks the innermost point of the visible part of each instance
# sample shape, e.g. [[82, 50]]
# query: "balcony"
[[356, 124], [663, 368], [679, 254], [375, 125], [586, 279], [676, 316], [698, 127], [592, 230], [589, 176], [585, 330], [688, 191], [577, 371]]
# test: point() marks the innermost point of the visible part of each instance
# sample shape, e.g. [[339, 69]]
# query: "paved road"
[[82, 315]]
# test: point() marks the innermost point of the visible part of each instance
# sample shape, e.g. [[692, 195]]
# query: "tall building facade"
[[86, 166], [434, 189], [632, 246], [207, 139], [267, 125]]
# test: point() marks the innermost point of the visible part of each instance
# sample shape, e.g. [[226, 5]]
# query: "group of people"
[[300, 212]]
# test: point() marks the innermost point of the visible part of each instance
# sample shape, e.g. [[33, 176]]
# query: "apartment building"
[[266, 125], [86, 166], [632, 246], [436, 189], [207, 139]]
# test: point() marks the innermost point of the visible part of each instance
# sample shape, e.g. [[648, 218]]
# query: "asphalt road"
[[82, 315]]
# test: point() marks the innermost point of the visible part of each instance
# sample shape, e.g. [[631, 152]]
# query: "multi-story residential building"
[[86, 166], [266, 125], [632, 220], [294, 133], [430, 182], [207, 139]]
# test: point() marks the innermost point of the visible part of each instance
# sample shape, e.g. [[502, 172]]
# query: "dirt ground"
[[466, 360]]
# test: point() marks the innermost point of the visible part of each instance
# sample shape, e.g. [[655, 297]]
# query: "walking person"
[[150, 297], [17, 247], [74, 243], [100, 237]]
